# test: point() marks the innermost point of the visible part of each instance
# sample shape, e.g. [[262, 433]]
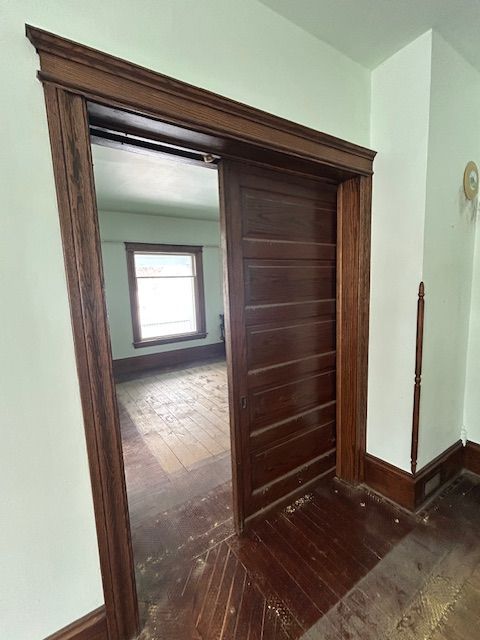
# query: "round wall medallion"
[[470, 180]]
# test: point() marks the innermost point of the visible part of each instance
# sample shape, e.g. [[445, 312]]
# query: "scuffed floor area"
[[427, 587], [339, 564]]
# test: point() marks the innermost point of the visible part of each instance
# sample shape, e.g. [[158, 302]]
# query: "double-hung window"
[[166, 293]]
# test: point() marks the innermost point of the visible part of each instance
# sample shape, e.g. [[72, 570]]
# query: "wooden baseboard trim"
[[168, 359], [411, 491], [93, 626], [471, 460], [390, 481], [438, 473]]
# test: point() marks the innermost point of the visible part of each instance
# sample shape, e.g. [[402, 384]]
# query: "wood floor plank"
[[182, 415], [211, 623], [380, 529], [212, 444], [271, 577], [333, 546], [207, 562], [210, 590], [293, 533], [233, 601], [172, 416], [335, 572], [347, 539], [249, 597], [256, 627], [297, 565]]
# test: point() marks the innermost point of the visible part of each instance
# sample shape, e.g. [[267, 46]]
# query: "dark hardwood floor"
[[338, 564]]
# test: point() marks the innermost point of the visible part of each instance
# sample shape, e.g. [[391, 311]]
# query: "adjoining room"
[[162, 261]]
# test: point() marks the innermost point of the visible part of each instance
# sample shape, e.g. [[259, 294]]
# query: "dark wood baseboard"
[[392, 482], [168, 359], [93, 626], [471, 460], [411, 491], [438, 472]]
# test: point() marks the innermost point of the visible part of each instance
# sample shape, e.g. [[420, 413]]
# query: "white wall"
[[424, 125], [399, 133], [472, 387], [118, 228], [454, 139], [239, 49]]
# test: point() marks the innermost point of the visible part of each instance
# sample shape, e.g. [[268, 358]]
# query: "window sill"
[[152, 342]]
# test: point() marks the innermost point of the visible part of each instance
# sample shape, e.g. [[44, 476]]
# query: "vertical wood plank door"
[[279, 232]]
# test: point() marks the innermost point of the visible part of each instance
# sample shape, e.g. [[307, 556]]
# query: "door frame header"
[[100, 76]]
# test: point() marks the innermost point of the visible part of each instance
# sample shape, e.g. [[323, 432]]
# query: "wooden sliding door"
[[280, 236]]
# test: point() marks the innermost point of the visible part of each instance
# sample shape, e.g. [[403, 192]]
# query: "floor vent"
[[432, 484]]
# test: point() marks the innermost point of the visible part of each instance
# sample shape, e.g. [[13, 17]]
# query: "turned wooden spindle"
[[418, 376]]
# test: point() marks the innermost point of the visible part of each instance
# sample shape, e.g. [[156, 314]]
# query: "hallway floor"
[[346, 572], [339, 564]]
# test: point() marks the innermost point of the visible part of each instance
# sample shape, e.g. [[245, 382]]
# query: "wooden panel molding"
[[408, 490], [280, 343], [93, 626], [284, 457], [418, 376], [281, 431], [472, 457], [168, 359]]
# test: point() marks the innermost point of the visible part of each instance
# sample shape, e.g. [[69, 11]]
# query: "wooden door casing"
[[280, 250], [150, 104]]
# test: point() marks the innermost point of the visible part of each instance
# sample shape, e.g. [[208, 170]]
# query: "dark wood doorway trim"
[[74, 76]]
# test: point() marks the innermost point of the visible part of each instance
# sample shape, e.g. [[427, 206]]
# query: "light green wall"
[[454, 139], [238, 48], [118, 228], [472, 387], [422, 229], [399, 126]]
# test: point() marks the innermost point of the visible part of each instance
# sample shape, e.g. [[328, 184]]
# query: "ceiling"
[[147, 183], [370, 31]]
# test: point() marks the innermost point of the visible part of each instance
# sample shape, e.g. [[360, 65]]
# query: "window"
[[166, 293]]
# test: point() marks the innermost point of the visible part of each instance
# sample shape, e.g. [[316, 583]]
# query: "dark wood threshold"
[[168, 359], [408, 490], [93, 626]]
